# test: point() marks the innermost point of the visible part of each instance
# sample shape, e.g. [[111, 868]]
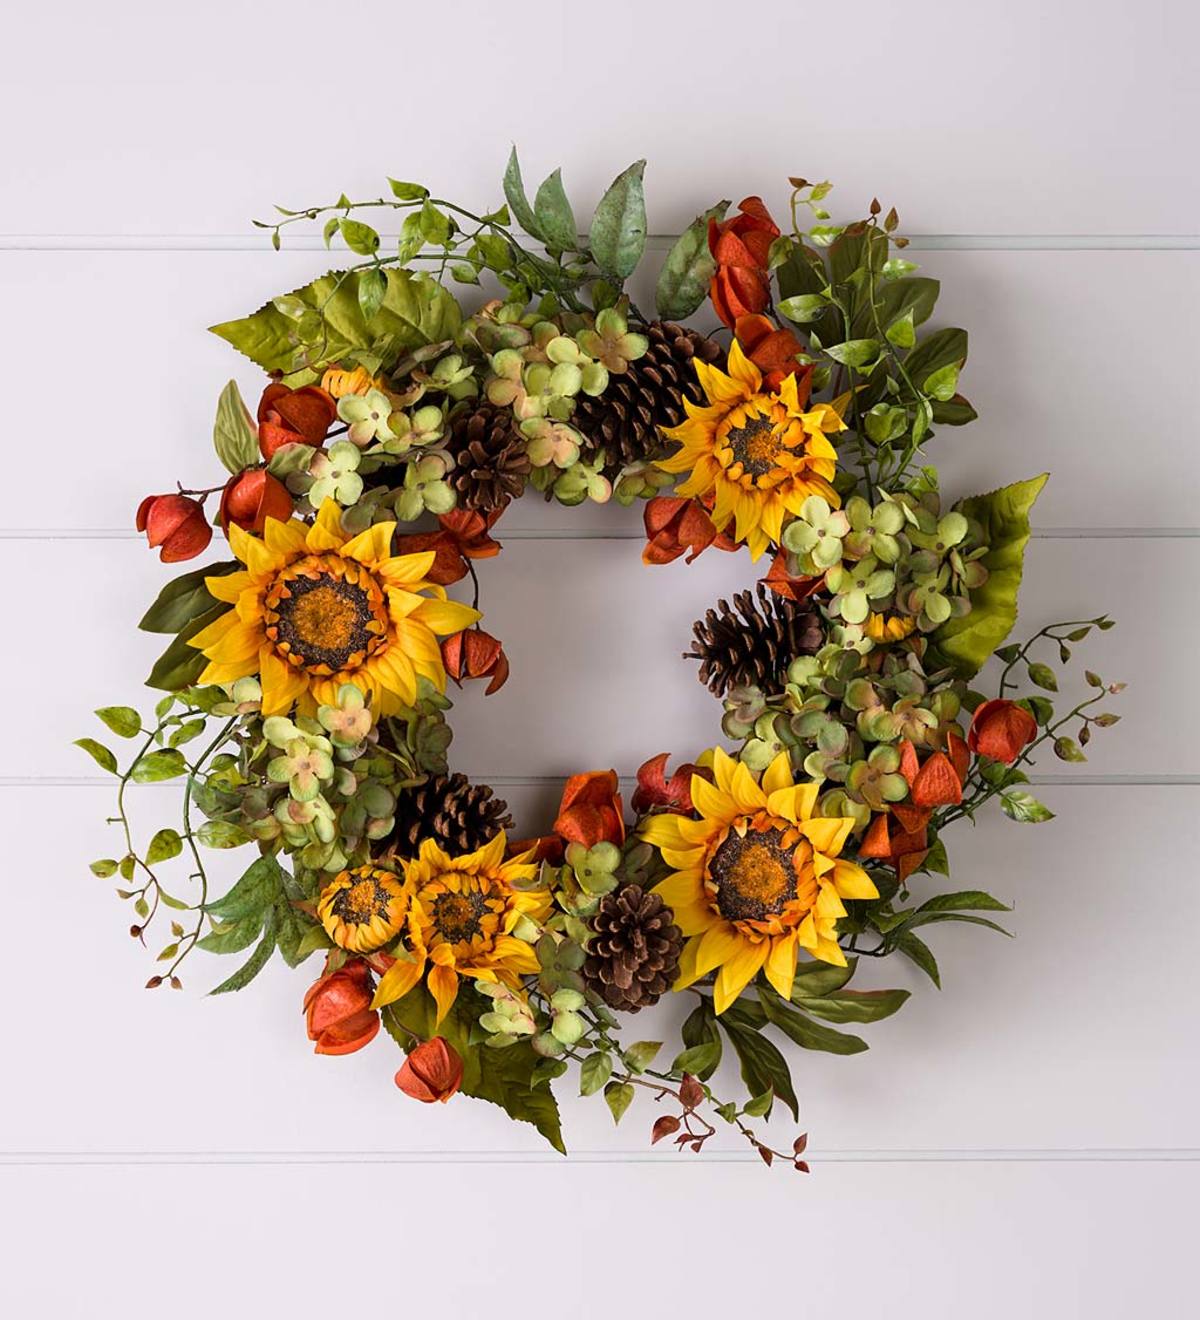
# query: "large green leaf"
[[503, 1077], [809, 1035], [856, 1005], [180, 665], [688, 270], [514, 194], [617, 235], [415, 311], [254, 964], [967, 642], [763, 1067], [184, 598], [556, 220]]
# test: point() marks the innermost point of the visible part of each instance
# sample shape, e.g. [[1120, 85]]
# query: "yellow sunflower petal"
[[744, 791], [828, 951], [736, 975], [229, 587], [397, 981], [711, 802], [743, 370], [827, 834], [371, 546], [662, 830], [852, 881], [285, 538], [717, 386], [785, 802], [777, 775], [719, 944], [723, 766], [446, 616], [683, 859], [780, 967], [681, 887], [405, 570], [829, 906], [326, 533], [215, 632], [281, 684], [443, 986]]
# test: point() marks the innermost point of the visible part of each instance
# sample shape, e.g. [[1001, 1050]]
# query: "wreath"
[[309, 667]]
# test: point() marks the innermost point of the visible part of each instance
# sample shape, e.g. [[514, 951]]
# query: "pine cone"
[[491, 465], [624, 421], [754, 642], [634, 953], [457, 815]]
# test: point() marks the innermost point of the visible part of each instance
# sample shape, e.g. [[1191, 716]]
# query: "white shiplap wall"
[[1032, 1128]]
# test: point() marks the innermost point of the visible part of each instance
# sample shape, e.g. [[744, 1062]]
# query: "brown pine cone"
[[753, 643], [491, 465], [633, 956], [625, 420], [457, 815]]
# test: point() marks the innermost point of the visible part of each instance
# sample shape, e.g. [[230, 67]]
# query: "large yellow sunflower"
[[757, 878], [461, 921], [760, 455], [315, 608]]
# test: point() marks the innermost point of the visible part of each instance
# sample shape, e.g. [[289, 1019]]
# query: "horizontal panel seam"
[[631, 533], [539, 781], [252, 242], [1101, 1155]]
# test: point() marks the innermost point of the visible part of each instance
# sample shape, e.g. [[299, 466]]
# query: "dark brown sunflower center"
[[324, 622], [459, 916], [361, 901], [755, 445], [754, 875]]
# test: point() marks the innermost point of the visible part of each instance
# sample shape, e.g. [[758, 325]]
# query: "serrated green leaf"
[[99, 753], [617, 236], [258, 888], [256, 962], [156, 766], [688, 270], [967, 641], [416, 311], [235, 436], [233, 938], [165, 845], [124, 721]]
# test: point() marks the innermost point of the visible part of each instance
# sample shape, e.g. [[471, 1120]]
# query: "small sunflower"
[[363, 909], [757, 878], [758, 454], [463, 913], [315, 608]]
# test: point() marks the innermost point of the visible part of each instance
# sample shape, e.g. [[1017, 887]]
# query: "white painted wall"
[[1022, 1143]]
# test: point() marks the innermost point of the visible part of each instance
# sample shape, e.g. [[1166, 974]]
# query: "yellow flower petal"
[[777, 775], [446, 616], [828, 951], [662, 830], [326, 533], [734, 976], [285, 538], [719, 944], [397, 981], [852, 881], [827, 834], [711, 802], [687, 965], [372, 546], [744, 371], [780, 967], [406, 570], [443, 986], [744, 791], [229, 587]]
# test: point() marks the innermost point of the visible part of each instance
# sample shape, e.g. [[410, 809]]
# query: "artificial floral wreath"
[[310, 668]]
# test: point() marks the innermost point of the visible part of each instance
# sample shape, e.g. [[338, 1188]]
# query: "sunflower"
[[757, 878], [463, 913], [757, 454], [315, 608], [362, 909]]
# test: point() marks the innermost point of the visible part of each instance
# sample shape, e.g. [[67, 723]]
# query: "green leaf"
[[942, 383], [617, 236], [972, 900], [165, 845], [235, 437], [416, 311], [502, 1077], [906, 299], [639, 1056], [1022, 806], [233, 939], [221, 834], [1067, 749], [815, 979], [688, 270], [359, 238], [556, 220], [619, 1096], [901, 333], [699, 1032], [857, 1005], [854, 352], [185, 599], [260, 885], [514, 193], [967, 641], [935, 351], [99, 753], [936, 918], [408, 192], [124, 721], [104, 867], [804, 307], [156, 766], [180, 665], [921, 954], [255, 963], [372, 286], [594, 1072], [763, 1067], [807, 1034], [1043, 676], [699, 1060], [435, 225]]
